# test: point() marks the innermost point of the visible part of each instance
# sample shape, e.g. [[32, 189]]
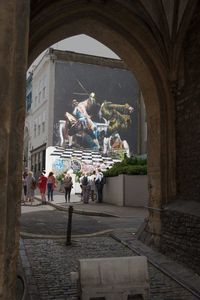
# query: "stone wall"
[[180, 238], [187, 117], [126, 190]]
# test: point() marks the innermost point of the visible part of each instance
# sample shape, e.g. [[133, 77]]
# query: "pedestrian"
[[51, 183], [99, 182], [84, 180], [24, 176], [42, 184], [68, 184], [92, 185], [31, 186]]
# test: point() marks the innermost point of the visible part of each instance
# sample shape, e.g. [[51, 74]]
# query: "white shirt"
[[99, 176]]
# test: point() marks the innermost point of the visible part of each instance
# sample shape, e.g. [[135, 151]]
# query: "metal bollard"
[[69, 225]]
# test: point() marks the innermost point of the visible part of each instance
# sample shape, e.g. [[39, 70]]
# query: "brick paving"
[[47, 265]]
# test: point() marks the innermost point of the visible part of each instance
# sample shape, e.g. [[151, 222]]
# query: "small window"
[[39, 129], [34, 130], [43, 126], [43, 92], [39, 98], [135, 297], [98, 298]]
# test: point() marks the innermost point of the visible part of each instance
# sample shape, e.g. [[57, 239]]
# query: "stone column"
[[14, 25]]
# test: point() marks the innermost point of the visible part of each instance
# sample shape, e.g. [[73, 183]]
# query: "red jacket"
[[42, 182]]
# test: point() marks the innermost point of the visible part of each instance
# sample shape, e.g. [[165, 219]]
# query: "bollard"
[[69, 225]]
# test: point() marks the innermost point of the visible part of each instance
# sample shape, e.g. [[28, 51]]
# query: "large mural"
[[95, 108]]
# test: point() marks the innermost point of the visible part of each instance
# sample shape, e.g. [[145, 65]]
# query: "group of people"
[[92, 185], [30, 184]]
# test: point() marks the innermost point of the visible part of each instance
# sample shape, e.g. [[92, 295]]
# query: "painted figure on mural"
[[117, 115], [97, 126]]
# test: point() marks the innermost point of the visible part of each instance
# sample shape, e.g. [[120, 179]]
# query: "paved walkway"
[[93, 208], [47, 263]]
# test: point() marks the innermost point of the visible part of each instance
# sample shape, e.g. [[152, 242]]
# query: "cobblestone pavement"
[[45, 220], [48, 263]]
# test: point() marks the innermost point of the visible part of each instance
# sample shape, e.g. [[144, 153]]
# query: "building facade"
[[116, 107]]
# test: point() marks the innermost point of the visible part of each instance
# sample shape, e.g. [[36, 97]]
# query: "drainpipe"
[[124, 192]]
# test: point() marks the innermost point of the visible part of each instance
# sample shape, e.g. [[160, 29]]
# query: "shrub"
[[129, 166], [59, 177]]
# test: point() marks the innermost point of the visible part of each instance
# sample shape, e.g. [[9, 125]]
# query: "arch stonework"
[[139, 52], [147, 37]]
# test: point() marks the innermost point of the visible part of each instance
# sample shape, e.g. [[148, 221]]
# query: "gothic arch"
[[147, 35], [127, 36]]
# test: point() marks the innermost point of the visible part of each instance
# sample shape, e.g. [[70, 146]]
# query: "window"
[[39, 97], [44, 92], [35, 130], [43, 126], [135, 297], [39, 129]]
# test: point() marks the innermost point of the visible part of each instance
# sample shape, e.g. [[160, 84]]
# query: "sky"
[[82, 44]]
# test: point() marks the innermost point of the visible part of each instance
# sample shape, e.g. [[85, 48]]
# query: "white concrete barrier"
[[115, 278]]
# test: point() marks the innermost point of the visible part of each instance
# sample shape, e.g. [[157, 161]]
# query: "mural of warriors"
[[81, 128], [118, 115]]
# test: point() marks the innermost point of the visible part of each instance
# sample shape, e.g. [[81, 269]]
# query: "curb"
[[80, 212], [182, 275], [62, 237]]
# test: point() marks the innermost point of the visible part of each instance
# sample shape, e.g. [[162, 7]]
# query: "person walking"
[[51, 183], [68, 184], [31, 186], [84, 180], [24, 176], [42, 184], [92, 185], [99, 182]]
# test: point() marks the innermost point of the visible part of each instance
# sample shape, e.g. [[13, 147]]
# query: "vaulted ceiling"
[[165, 21]]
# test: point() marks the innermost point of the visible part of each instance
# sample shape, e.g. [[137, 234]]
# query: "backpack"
[[102, 181], [67, 182], [33, 184], [84, 181]]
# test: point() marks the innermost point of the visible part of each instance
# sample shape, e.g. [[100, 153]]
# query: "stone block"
[[115, 278]]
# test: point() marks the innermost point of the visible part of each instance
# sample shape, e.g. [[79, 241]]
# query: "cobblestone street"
[[48, 263]]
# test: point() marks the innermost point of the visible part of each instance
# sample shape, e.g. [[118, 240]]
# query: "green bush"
[[129, 166], [78, 174], [60, 177]]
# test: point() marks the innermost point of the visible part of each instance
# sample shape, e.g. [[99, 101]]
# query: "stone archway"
[[144, 34], [143, 61]]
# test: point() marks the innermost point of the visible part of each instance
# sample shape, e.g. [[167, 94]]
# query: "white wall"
[[126, 190], [136, 190], [113, 191]]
